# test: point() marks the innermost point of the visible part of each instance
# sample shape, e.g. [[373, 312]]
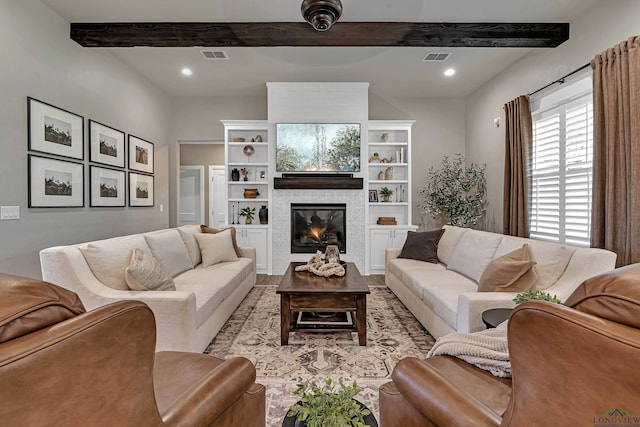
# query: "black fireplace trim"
[[318, 206]]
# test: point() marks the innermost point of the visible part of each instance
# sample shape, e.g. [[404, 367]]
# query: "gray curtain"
[[518, 137], [616, 151]]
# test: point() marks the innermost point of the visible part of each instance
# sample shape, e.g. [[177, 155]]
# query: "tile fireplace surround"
[[280, 218]]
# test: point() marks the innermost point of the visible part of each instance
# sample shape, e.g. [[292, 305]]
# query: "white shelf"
[[387, 164], [388, 203], [382, 144], [243, 144], [248, 182], [257, 199], [388, 181], [248, 164]]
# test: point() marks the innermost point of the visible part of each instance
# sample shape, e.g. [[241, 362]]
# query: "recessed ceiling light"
[[186, 71], [449, 72]]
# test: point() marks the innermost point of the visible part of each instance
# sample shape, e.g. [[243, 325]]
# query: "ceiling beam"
[[259, 34]]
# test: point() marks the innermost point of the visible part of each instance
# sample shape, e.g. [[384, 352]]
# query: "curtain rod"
[[561, 79]]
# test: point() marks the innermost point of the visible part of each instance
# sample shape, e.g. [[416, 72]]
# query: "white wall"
[[607, 24], [39, 60]]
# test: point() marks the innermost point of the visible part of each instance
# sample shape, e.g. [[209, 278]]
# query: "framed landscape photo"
[[107, 187], [140, 189], [53, 130], [106, 145], [55, 183], [140, 155]]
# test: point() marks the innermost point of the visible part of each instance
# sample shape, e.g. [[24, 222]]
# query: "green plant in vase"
[[535, 296], [248, 214], [385, 193], [326, 406]]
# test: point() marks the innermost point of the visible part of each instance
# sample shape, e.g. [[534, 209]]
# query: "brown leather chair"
[[60, 366], [572, 365]]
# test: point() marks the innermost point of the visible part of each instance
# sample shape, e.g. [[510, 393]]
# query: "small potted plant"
[[385, 193], [326, 406], [535, 295], [248, 214]]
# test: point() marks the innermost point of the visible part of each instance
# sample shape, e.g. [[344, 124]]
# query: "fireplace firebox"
[[314, 226]]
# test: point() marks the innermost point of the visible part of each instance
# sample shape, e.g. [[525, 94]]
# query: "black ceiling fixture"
[[321, 14], [325, 31]]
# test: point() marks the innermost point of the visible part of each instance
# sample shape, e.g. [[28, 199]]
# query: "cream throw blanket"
[[487, 349]]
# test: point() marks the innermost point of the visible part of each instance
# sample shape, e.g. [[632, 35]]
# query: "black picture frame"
[[373, 196], [107, 187], [141, 191], [141, 155], [53, 130], [55, 183], [106, 145]]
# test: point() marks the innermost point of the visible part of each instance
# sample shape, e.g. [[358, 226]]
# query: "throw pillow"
[[422, 246], [169, 248], [146, 273], [512, 272], [212, 230], [216, 247]]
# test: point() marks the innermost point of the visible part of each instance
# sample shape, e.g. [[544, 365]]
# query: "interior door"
[[217, 196], [191, 209]]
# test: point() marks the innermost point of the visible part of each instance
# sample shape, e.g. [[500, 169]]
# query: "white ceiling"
[[397, 71]]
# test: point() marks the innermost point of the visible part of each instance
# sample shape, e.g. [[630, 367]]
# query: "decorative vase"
[[332, 254], [381, 175], [235, 175], [246, 178], [388, 173], [248, 220], [263, 214], [384, 137]]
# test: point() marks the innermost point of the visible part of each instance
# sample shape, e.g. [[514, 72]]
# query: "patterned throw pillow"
[[146, 273]]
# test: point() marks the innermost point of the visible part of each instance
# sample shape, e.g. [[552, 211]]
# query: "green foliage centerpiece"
[[456, 191], [324, 406], [248, 214], [535, 296]]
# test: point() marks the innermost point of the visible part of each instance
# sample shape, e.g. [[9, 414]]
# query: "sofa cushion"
[[187, 233], [473, 253], [512, 272], [448, 242], [216, 248], [440, 290], [400, 266], [108, 259], [422, 245], [210, 285], [146, 273], [169, 248], [552, 260], [211, 230]]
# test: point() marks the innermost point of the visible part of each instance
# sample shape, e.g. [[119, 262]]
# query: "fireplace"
[[314, 226]]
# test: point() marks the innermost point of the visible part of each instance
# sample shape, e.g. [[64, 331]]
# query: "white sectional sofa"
[[444, 296], [187, 318]]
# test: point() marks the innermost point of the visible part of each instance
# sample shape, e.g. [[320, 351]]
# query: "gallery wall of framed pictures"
[[56, 162]]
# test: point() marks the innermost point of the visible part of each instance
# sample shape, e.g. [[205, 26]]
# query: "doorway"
[[191, 207], [217, 196]]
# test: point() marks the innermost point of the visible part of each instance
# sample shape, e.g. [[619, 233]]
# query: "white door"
[[217, 197], [191, 208]]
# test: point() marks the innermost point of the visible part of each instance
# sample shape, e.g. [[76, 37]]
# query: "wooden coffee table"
[[305, 292]]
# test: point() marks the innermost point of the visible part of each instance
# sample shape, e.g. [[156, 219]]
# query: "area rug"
[[253, 331]]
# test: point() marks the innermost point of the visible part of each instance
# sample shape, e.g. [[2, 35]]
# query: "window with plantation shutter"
[[561, 161]]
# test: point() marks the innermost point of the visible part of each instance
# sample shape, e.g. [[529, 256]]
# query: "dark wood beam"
[[258, 34]]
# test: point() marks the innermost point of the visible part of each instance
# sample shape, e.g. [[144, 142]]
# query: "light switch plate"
[[9, 212]]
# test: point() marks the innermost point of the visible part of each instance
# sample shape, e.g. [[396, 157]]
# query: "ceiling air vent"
[[214, 54], [436, 57]]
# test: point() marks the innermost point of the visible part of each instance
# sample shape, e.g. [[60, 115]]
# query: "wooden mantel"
[[318, 182]]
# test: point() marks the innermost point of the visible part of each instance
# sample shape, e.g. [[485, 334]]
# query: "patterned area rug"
[[253, 331]]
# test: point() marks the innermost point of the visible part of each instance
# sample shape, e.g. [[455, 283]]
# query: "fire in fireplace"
[[314, 226]]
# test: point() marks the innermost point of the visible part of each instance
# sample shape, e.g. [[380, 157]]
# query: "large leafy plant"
[[326, 406], [456, 191]]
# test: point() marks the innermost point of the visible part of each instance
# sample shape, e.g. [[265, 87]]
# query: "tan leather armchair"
[[64, 367], [572, 365]]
